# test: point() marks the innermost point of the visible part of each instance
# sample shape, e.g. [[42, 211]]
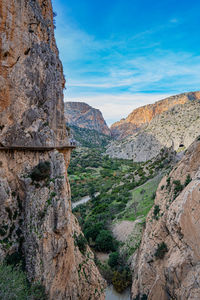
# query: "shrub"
[[161, 250], [188, 180], [121, 280], [41, 171], [105, 241], [14, 285], [113, 259], [81, 242], [156, 211]]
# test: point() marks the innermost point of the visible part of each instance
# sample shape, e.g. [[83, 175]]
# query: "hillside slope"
[[143, 115], [176, 127], [167, 263]]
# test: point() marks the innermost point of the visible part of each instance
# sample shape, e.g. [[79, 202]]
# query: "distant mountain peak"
[[83, 115]]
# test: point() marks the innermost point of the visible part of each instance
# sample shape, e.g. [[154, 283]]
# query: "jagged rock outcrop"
[[144, 114], [37, 226], [173, 270], [83, 115], [179, 126]]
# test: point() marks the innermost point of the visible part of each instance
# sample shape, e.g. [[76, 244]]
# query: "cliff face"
[[31, 97], [83, 115], [172, 273], [179, 126], [36, 223], [145, 114]]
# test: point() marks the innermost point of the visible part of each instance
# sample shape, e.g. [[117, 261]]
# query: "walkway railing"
[[38, 148]]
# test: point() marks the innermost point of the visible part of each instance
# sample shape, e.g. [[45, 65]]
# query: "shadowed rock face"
[[31, 77], [83, 115], [36, 222], [176, 274], [143, 115]]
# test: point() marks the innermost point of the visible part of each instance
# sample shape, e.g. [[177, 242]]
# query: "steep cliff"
[[83, 115], [167, 263], [37, 227], [179, 126], [144, 114]]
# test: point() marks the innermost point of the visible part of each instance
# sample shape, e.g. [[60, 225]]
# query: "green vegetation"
[[188, 180], [41, 172], [156, 211], [119, 190], [14, 285], [89, 138], [142, 200], [81, 242], [161, 250]]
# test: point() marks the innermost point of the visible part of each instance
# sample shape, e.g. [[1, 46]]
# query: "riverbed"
[[112, 294]]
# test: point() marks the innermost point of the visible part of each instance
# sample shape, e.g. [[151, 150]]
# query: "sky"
[[121, 54]]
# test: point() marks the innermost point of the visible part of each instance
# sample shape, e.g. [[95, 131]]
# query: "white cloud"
[[116, 107]]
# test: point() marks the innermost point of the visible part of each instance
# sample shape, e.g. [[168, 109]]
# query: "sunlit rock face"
[[174, 128], [31, 77], [173, 273], [36, 223], [143, 115]]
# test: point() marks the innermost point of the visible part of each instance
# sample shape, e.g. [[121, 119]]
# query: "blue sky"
[[121, 54]]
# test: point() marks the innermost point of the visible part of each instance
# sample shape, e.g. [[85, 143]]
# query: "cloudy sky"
[[121, 54]]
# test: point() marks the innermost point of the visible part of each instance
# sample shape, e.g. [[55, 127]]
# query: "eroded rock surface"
[[144, 114], [175, 275], [177, 128], [31, 77], [83, 115], [37, 226]]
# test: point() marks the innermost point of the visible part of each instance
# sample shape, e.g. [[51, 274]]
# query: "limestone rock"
[[175, 275], [36, 222], [144, 114], [179, 126], [31, 77], [83, 115]]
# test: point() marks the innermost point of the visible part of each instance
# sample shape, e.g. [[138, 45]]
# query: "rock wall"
[[37, 226], [31, 77], [174, 272], [180, 125], [144, 114], [83, 115]]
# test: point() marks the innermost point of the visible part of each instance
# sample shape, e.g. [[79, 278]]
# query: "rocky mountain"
[[177, 127], [37, 227], [166, 265], [83, 115], [144, 114]]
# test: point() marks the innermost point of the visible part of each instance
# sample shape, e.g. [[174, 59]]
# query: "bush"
[[156, 211], [81, 242], [188, 180], [161, 250], [113, 259], [14, 285], [105, 242], [121, 280], [41, 171]]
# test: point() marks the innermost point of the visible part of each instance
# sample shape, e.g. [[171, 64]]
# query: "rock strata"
[[167, 263], [144, 114], [83, 115], [37, 227], [177, 128]]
